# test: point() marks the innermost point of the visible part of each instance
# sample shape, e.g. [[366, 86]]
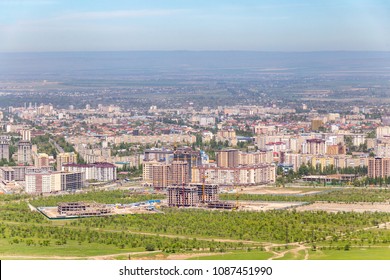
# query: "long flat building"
[[235, 176]]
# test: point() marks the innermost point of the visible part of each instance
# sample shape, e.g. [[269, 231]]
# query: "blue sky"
[[262, 25]]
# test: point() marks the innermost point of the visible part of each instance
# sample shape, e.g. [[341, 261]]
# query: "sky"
[[147, 25]]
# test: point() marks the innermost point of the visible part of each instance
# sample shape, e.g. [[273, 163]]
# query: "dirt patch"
[[189, 256]]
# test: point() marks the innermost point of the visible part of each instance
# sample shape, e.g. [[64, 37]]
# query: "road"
[[59, 149]]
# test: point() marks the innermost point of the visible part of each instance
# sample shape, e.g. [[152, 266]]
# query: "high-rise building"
[[160, 155], [24, 152], [179, 173], [316, 124], [228, 158], [26, 134], [4, 149], [160, 174], [314, 147], [378, 167], [191, 157]]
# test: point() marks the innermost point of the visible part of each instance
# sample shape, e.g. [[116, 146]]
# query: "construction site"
[[80, 209], [197, 195]]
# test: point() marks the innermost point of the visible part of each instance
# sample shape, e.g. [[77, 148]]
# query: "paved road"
[[58, 147]]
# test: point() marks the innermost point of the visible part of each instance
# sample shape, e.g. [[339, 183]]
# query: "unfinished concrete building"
[[206, 192], [182, 196], [82, 209], [221, 205]]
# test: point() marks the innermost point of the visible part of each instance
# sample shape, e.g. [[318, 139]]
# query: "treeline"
[[345, 195], [108, 197], [305, 170]]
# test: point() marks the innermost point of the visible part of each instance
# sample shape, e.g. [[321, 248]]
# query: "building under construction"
[[222, 205], [206, 192], [184, 196], [82, 209], [192, 194]]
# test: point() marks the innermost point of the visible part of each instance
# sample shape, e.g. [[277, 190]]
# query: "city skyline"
[[53, 25]]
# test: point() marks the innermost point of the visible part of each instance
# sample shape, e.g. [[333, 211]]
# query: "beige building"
[[228, 158], [162, 175], [255, 158], [227, 135], [316, 124], [41, 160], [382, 148], [63, 158], [314, 147], [242, 175], [24, 153]]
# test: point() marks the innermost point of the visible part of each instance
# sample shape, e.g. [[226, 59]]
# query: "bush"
[[149, 247]]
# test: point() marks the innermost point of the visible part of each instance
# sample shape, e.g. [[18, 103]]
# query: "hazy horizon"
[[228, 25]]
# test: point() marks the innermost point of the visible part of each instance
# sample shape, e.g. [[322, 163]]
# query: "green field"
[[192, 233], [71, 249], [239, 255], [347, 195], [381, 253]]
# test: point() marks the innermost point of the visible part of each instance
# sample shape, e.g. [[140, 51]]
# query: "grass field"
[[71, 249], [239, 255], [378, 253]]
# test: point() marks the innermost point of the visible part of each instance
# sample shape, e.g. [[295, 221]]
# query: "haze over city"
[[281, 25]]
